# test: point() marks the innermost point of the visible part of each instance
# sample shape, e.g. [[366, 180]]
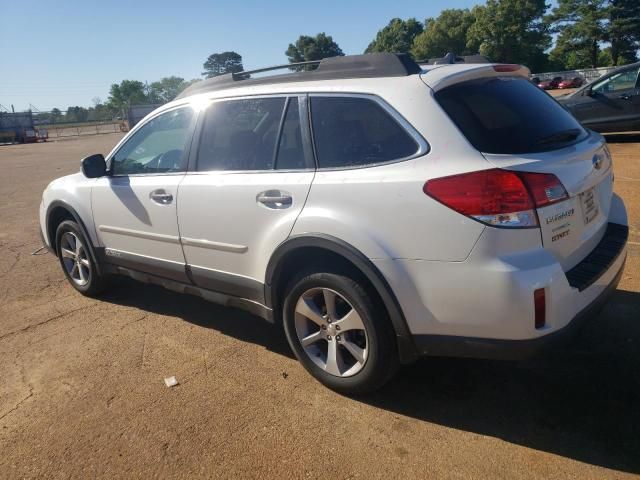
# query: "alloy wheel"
[[75, 258], [331, 332]]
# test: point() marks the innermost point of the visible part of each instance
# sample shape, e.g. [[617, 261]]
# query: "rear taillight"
[[545, 188], [501, 198]]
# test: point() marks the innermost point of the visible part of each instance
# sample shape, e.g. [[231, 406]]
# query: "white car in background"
[[380, 210]]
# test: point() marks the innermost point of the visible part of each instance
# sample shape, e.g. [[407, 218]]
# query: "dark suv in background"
[[609, 104]]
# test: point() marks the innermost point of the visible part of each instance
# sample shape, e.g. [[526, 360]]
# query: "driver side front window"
[[157, 147], [622, 81]]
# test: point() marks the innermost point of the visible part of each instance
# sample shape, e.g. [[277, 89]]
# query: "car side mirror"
[[94, 166], [589, 92]]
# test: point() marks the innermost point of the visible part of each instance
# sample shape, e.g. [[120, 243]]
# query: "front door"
[[134, 208], [251, 180]]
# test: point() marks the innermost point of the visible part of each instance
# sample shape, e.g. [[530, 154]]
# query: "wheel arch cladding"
[[59, 211], [328, 250]]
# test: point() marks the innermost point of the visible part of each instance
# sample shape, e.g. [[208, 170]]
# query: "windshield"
[[509, 116]]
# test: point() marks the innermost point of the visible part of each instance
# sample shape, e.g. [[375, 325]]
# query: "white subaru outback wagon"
[[379, 209]]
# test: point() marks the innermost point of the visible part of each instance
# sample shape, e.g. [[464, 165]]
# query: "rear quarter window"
[[356, 131], [509, 116]]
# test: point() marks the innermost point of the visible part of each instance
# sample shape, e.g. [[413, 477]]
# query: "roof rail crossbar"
[[247, 73], [370, 65], [451, 58]]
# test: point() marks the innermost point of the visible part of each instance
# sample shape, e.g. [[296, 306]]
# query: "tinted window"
[[240, 134], [290, 152], [620, 81], [351, 131], [157, 147], [508, 115]]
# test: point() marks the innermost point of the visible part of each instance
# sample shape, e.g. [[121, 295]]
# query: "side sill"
[[223, 299]]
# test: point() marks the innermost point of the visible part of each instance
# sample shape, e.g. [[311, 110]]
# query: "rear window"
[[509, 116]]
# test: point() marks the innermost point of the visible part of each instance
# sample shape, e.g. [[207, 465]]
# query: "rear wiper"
[[562, 136]]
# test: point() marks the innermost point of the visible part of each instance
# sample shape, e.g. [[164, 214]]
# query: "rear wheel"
[[340, 334], [76, 259]]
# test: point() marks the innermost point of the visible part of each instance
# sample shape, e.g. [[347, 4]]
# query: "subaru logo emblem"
[[597, 162]]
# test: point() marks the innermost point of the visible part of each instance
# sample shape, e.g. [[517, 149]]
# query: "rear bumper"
[[454, 346]]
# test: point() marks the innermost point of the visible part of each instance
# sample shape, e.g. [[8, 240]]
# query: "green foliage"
[[624, 31], [446, 33], [581, 25], [221, 63], [312, 48], [397, 37], [511, 31], [76, 114], [166, 89], [128, 92]]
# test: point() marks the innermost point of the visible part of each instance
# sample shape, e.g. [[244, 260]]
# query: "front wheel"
[[77, 261], [339, 332]]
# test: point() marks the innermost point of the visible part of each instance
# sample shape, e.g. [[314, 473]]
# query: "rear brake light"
[[496, 197], [507, 67], [540, 307]]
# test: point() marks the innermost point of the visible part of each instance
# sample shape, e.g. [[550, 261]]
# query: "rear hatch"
[[518, 127]]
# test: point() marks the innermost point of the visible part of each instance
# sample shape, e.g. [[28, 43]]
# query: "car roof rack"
[[371, 65], [452, 58]]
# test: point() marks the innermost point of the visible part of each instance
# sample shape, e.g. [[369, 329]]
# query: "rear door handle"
[[161, 197], [275, 199]]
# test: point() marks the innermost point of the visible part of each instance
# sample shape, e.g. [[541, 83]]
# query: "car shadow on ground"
[[580, 402], [229, 321]]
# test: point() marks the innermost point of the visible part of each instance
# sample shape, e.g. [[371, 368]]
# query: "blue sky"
[[57, 54]]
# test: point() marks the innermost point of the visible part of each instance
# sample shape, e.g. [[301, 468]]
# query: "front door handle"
[[275, 199], [625, 96], [161, 197]]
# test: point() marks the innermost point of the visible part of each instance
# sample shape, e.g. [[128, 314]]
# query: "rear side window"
[[354, 131], [509, 116], [240, 134]]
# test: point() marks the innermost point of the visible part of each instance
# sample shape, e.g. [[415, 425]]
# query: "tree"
[[447, 33], [55, 115], [396, 37], [76, 114], [581, 28], [166, 89], [511, 31], [624, 30], [128, 92], [221, 63], [312, 48]]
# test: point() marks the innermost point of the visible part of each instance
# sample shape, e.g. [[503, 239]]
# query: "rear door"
[[518, 127], [250, 181]]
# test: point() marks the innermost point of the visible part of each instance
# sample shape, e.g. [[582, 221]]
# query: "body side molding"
[[159, 237], [224, 247]]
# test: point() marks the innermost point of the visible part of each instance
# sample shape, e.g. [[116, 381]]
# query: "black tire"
[[382, 360], [95, 282]]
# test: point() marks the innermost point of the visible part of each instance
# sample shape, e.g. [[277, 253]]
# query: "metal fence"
[[588, 74]]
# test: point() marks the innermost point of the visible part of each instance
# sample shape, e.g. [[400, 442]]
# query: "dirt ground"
[[82, 392]]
